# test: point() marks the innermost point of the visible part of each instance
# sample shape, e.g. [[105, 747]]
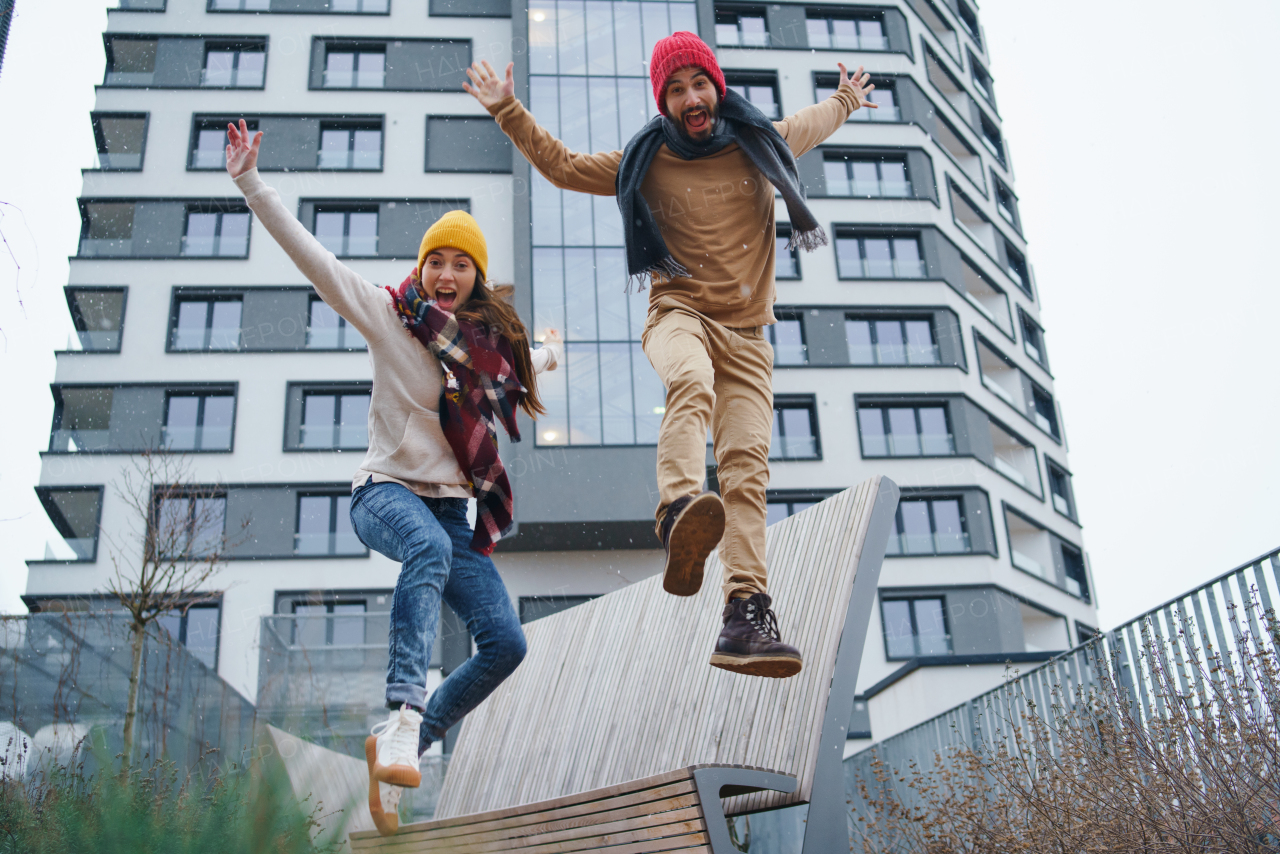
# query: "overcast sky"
[[1143, 139]]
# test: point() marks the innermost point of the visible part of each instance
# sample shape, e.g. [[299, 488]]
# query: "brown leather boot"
[[750, 642], [691, 528]]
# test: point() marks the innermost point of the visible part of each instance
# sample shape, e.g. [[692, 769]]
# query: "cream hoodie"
[[406, 444]]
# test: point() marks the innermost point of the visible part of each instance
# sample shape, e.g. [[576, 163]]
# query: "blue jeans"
[[432, 540]]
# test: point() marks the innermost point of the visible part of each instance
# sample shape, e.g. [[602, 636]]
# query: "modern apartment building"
[[910, 346]]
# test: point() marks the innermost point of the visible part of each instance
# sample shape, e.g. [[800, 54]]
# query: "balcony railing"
[[107, 160], [203, 246], [354, 79], [327, 544], [96, 247], [882, 113], [878, 268], [74, 440], [928, 544], [350, 160], [92, 340], [130, 78]]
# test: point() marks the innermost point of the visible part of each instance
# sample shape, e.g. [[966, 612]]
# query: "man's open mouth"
[[446, 297], [697, 120]]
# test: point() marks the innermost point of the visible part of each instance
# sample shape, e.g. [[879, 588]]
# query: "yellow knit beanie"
[[456, 230]]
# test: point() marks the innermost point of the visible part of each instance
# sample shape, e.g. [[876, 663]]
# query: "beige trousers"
[[722, 376]]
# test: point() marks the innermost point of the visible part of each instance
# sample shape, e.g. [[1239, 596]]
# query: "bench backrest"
[[620, 688]]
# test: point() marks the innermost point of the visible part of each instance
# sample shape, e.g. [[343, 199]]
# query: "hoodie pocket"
[[424, 454]]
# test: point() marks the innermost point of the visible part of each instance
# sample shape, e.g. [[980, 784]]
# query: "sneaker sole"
[[387, 824], [693, 537], [393, 775], [768, 666]]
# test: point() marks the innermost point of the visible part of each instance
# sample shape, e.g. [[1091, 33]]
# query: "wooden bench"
[[616, 734]]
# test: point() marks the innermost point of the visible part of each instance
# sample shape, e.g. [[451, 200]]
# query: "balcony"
[[350, 159], [91, 247], [346, 79], [77, 441], [928, 544], [217, 246], [130, 78]]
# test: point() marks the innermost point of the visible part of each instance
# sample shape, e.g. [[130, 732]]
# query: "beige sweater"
[[715, 212], [406, 444]]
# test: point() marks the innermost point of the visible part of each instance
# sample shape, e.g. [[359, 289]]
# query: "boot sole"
[[768, 666], [693, 537], [387, 824]]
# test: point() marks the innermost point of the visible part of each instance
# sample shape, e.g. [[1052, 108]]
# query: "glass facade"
[[589, 86]]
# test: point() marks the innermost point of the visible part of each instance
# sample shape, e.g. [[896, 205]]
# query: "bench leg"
[[712, 783]]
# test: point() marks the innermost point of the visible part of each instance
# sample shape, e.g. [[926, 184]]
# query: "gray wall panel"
[[318, 51], [786, 26], [895, 27], [977, 511], [274, 320], [137, 414], [920, 168], [809, 166], [977, 430], [467, 144], [289, 142], [973, 622], [946, 327], [568, 482], [913, 104], [271, 514], [825, 337], [401, 224], [158, 228], [430, 66], [179, 62]]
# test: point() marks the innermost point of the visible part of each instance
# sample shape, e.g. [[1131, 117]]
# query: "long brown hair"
[[490, 305]]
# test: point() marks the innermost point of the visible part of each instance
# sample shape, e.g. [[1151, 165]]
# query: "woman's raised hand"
[[242, 153], [485, 84], [861, 83]]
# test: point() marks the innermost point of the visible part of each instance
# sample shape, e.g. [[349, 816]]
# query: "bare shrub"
[[1185, 761]]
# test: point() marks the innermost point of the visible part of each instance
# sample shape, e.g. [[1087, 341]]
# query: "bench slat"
[[633, 829]]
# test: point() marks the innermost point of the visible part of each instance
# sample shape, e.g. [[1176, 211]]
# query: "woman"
[[450, 358]]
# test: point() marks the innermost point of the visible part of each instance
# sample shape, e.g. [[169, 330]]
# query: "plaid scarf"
[[480, 389]]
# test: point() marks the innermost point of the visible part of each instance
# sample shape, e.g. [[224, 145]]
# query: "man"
[[696, 190]]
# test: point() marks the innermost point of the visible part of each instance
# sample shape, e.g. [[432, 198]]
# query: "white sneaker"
[[396, 753], [384, 800]]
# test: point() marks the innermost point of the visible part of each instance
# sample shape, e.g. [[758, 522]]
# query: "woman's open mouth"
[[446, 297]]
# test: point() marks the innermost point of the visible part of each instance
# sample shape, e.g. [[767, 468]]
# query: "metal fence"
[[64, 683], [1203, 644]]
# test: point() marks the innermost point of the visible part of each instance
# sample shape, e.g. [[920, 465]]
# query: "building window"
[[82, 420], [929, 526], [98, 316], [328, 330], [1006, 202], [938, 25], [536, 607], [1043, 411], [1076, 576], [795, 431], [991, 137], [1060, 489], [336, 623], [120, 138], [344, 147], [198, 422], [859, 257], [75, 512], [359, 6], [741, 28], [348, 233], [239, 5], [891, 341], [223, 234], [876, 179], [787, 338], [786, 261], [982, 80], [196, 628], [761, 90], [324, 526], [106, 229], [915, 627], [1033, 340], [905, 431], [209, 144], [206, 324], [190, 527], [334, 420], [824, 86], [1014, 457], [238, 67], [844, 32], [778, 509], [355, 68], [1017, 268], [969, 18], [131, 62]]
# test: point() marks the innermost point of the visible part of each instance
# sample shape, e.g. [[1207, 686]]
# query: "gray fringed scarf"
[[739, 121]]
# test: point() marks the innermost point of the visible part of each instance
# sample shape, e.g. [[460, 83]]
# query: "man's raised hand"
[[242, 153], [485, 84], [860, 83]]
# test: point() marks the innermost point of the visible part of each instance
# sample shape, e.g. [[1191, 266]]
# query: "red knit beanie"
[[676, 51]]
